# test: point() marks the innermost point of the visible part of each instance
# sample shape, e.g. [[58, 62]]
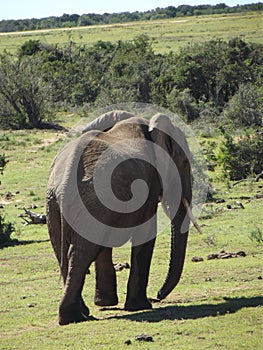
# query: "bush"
[[3, 163], [242, 158], [246, 107], [6, 228], [256, 236]]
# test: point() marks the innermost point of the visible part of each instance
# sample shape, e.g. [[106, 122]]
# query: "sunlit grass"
[[215, 305]]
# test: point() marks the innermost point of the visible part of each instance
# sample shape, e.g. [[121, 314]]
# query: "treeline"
[[212, 81], [67, 21]]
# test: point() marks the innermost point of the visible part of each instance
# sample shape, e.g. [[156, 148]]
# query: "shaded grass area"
[[166, 34], [217, 304]]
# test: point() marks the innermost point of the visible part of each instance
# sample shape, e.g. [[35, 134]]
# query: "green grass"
[[216, 304], [166, 34]]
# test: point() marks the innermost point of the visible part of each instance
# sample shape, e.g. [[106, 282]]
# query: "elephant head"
[[177, 192]]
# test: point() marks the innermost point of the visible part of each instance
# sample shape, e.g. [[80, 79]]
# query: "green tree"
[[24, 95], [129, 74]]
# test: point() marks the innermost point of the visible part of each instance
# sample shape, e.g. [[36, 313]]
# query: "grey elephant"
[[83, 229]]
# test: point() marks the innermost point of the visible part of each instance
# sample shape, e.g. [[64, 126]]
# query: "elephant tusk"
[[190, 214]]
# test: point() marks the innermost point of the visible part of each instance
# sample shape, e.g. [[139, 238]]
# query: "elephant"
[[140, 146]]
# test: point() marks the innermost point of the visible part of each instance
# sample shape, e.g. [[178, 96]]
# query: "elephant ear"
[[172, 140], [161, 122], [161, 129], [160, 126], [107, 120]]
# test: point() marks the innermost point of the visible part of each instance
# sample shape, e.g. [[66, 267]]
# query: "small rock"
[[144, 337], [197, 259], [8, 195], [259, 277], [31, 305]]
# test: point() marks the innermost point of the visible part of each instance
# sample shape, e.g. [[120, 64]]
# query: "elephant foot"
[[83, 308], [105, 299], [136, 305], [72, 314]]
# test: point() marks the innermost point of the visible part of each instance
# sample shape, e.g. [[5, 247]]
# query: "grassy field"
[[217, 303], [166, 34]]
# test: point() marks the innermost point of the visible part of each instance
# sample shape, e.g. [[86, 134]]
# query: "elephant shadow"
[[16, 242], [158, 314]]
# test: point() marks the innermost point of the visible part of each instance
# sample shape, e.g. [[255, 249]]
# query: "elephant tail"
[[64, 247]]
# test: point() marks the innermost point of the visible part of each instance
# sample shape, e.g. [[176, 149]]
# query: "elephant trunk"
[[178, 249]]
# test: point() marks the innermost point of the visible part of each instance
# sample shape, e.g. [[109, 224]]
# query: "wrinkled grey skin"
[[75, 253]]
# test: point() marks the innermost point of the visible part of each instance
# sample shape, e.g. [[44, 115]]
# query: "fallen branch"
[[35, 218], [259, 176], [256, 179], [226, 255]]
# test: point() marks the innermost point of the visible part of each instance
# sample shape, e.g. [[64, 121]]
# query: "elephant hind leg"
[[106, 285], [72, 308]]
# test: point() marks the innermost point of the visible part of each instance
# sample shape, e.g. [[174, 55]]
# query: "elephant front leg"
[[140, 266], [106, 286]]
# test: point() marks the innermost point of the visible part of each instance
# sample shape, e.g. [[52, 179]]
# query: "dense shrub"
[[245, 109], [200, 81], [243, 157]]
